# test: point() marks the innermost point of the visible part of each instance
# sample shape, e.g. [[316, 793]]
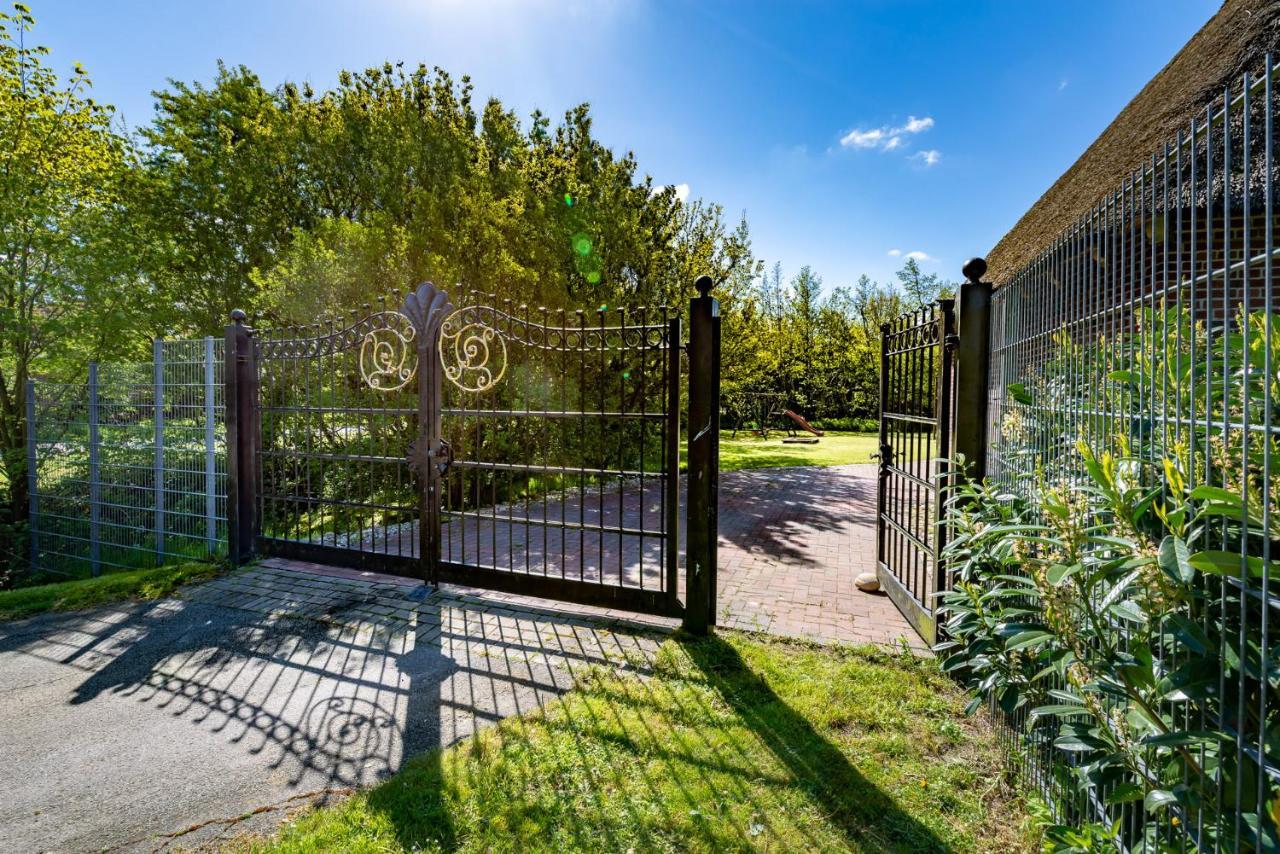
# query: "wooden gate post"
[[702, 509], [241, 398], [973, 366]]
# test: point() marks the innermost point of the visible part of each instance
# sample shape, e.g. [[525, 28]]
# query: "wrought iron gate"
[[917, 420], [543, 447]]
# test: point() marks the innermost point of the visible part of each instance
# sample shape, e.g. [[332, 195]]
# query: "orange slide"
[[803, 424]]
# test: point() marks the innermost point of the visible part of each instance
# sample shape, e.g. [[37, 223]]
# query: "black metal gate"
[[917, 421], [526, 450]]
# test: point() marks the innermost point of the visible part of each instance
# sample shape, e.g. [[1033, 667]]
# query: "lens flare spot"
[[626, 375], [594, 277], [582, 245], [568, 200]]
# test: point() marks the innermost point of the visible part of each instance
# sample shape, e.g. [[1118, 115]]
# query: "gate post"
[[702, 510], [973, 366], [241, 377]]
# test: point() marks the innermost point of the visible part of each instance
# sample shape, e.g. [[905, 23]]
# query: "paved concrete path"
[[160, 724]]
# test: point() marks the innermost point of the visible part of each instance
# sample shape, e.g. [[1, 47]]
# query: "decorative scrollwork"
[[473, 353], [386, 349], [388, 359]]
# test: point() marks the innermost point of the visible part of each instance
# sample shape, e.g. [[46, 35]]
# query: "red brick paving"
[[792, 540]]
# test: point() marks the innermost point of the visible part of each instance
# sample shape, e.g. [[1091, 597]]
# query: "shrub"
[[1099, 614]]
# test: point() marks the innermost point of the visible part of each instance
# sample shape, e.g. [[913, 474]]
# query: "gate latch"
[[441, 458], [444, 457]]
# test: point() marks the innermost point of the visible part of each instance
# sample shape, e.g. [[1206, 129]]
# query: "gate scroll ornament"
[[473, 353]]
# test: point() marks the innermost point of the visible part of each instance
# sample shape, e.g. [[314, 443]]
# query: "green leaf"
[[1159, 799], [1214, 562], [1187, 632], [1216, 494], [1125, 793], [1184, 738], [1058, 572], [1060, 710], [1128, 609], [1118, 590], [1018, 392], [1174, 560], [1022, 640], [1078, 743]]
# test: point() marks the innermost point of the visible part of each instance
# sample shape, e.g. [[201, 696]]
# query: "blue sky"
[[845, 131]]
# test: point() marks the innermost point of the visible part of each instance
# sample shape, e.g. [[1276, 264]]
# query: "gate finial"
[[974, 269], [426, 307]]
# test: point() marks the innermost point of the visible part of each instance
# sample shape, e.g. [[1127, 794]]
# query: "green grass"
[[113, 587], [749, 451], [734, 743]]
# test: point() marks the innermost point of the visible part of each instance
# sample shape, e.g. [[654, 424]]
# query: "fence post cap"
[[704, 284], [238, 317], [974, 269]]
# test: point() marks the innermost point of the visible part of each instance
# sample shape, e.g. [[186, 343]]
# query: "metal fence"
[[128, 470], [1150, 327]]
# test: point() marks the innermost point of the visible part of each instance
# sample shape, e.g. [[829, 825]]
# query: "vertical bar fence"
[[127, 470], [1148, 329]]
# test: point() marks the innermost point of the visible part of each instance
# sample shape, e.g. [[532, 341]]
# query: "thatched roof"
[[1235, 40]]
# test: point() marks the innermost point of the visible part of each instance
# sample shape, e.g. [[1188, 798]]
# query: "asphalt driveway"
[[177, 722]]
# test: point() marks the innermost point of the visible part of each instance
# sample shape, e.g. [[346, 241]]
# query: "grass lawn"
[[749, 451], [112, 587], [733, 743]]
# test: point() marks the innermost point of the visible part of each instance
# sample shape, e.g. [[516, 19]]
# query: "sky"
[[852, 134]]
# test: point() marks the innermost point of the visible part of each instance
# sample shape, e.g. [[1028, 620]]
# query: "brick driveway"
[[791, 542]]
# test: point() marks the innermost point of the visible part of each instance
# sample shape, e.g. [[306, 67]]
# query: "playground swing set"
[[766, 407]]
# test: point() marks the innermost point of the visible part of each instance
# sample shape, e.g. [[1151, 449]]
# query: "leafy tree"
[[921, 288], [875, 304], [66, 289], [221, 194]]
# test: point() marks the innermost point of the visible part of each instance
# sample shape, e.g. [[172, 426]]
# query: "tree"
[[67, 288], [921, 288], [875, 304], [221, 194]]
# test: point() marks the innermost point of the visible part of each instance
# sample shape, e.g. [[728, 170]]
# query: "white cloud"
[[887, 138], [681, 190], [928, 157], [915, 125], [1062, 84], [863, 138], [921, 256], [894, 253]]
